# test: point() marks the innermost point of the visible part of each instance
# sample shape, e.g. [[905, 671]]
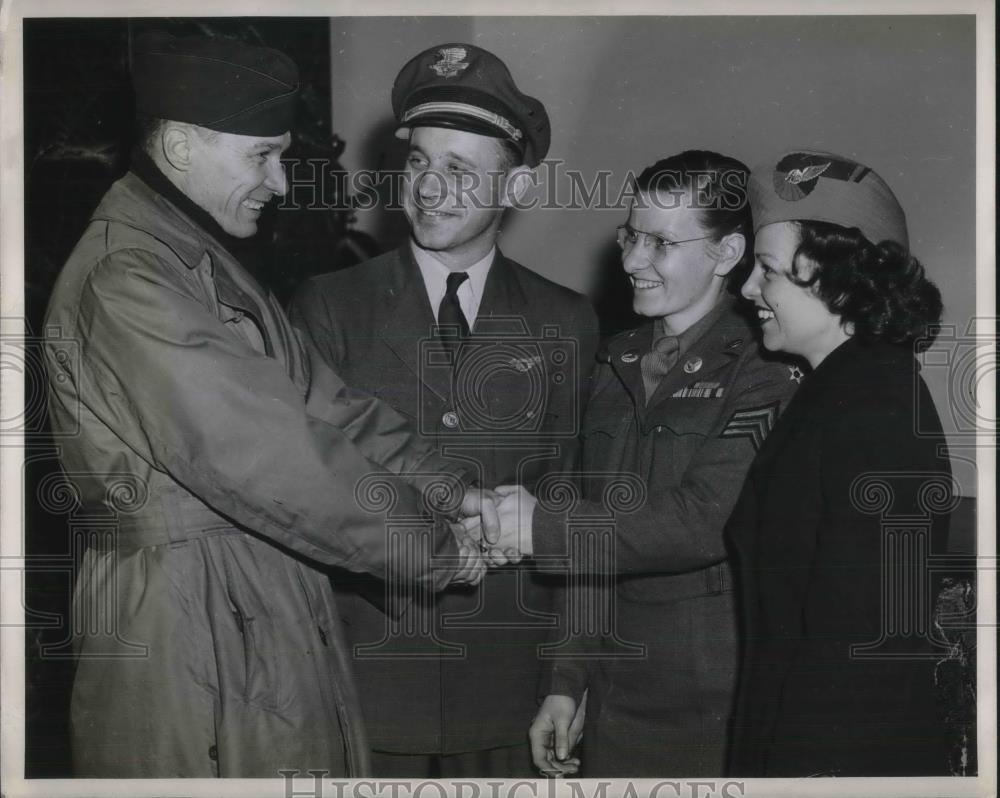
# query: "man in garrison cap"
[[228, 469], [489, 359]]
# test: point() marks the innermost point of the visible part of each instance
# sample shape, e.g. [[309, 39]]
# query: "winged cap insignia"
[[796, 176], [451, 61]]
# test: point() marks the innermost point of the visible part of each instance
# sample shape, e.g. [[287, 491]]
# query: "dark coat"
[[191, 425], [459, 671], [810, 533], [661, 685]]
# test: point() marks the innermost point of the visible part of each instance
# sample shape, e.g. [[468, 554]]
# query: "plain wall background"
[[896, 93]]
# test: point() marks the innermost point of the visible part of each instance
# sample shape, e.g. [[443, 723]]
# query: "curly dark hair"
[[718, 187], [879, 288]]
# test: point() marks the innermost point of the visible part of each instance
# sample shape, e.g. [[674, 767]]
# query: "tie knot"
[[667, 345], [455, 279]]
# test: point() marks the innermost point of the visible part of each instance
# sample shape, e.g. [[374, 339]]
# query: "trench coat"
[[659, 480], [222, 469], [834, 681], [464, 678]]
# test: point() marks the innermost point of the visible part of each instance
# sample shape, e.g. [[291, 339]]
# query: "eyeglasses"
[[628, 237]]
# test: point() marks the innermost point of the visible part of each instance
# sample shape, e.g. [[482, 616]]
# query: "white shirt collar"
[[470, 292]]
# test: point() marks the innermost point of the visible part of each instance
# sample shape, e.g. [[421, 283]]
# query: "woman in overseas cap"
[[837, 672]]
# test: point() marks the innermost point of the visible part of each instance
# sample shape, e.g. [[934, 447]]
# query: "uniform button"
[[450, 419], [213, 753]]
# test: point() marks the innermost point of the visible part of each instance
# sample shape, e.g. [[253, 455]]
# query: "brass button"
[[450, 419]]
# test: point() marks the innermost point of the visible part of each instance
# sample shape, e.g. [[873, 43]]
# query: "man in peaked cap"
[[452, 696], [229, 470]]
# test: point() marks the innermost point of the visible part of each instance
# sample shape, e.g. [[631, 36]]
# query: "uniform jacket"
[[661, 683], [459, 672], [190, 409], [858, 452]]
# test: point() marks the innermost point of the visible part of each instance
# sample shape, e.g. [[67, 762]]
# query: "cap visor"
[[453, 122]]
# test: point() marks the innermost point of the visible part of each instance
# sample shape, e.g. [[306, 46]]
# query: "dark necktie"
[[657, 363], [450, 311]]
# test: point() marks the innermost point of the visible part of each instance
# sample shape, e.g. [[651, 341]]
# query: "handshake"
[[494, 529]]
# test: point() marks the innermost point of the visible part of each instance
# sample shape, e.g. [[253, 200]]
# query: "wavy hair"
[[879, 288]]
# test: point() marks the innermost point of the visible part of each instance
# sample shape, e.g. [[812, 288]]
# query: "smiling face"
[[677, 282], [452, 192], [233, 177], [793, 319]]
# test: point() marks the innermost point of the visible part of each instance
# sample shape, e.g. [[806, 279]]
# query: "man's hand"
[[479, 512], [471, 567], [554, 734]]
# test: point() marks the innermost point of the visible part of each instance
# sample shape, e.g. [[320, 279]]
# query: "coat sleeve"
[[227, 423], [310, 314], [568, 674], [680, 528], [324, 347]]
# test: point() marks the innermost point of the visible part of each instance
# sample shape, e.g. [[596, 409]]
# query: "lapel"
[[504, 304], [148, 211], [241, 296], [407, 321], [624, 355], [716, 349], [506, 331], [407, 318]]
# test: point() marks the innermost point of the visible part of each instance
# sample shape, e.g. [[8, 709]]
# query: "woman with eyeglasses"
[[680, 405], [847, 496]]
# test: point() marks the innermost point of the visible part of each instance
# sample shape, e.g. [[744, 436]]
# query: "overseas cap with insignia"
[[808, 185], [220, 84], [464, 87]]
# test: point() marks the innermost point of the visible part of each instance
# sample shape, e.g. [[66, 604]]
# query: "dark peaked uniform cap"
[[465, 87]]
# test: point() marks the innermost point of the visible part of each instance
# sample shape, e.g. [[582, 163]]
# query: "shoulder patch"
[[754, 423]]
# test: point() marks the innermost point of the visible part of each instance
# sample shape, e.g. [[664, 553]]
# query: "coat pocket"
[[601, 426], [252, 649]]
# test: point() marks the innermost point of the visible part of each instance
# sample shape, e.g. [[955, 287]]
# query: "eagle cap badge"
[[451, 61], [796, 176]]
